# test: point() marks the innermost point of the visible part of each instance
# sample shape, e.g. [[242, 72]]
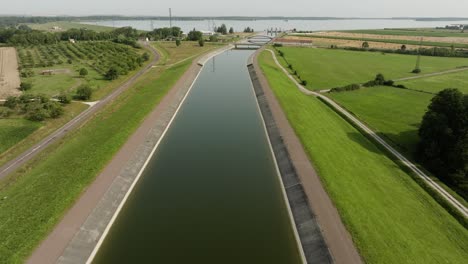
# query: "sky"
[[335, 8]]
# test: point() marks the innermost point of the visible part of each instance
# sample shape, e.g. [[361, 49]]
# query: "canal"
[[211, 193]]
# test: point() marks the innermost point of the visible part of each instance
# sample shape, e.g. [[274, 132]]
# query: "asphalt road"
[[75, 122]]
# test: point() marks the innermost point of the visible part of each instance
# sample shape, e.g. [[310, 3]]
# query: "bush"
[[11, 102], [365, 45], [213, 38], [277, 45], [64, 98], [290, 66], [201, 42], [84, 92], [401, 86], [69, 61], [389, 83], [146, 56], [281, 53], [83, 72], [25, 86], [27, 73], [112, 73], [416, 71], [350, 87], [4, 113], [304, 83], [177, 42]]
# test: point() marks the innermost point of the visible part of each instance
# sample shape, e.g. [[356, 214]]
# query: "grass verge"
[[390, 217]]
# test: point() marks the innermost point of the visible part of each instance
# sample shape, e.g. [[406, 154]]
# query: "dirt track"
[[9, 75]]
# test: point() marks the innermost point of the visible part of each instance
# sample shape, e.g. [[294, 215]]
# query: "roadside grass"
[[329, 68], [418, 32], [40, 192], [64, 25], [390, 217], [435, 84], [44, 129], [13, 131], [394, 41], [393, 113]]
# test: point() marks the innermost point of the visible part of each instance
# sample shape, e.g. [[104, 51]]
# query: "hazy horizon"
[[259, 8]]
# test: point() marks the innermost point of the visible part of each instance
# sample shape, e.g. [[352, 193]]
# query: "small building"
[[207, 33]]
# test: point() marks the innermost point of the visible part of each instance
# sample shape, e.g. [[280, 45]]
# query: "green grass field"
[[13, 131], [393, 113], [328, 68], [64, 25], [390, 217], [54, 180], [436, 84], [419, 32]]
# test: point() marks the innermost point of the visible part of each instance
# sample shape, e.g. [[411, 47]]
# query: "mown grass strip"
[[390, 217], [46, 187]]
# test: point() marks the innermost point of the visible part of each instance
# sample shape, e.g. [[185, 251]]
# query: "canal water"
[[211, 193]]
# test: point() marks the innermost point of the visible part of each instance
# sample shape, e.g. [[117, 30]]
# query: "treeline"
[[25, 36], [164, 33]]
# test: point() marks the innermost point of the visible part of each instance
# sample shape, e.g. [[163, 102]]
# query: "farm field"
[[9, 76], [418, 32], [391, 218], [23, 226], [393, 113], [66, 59], [64, 25], [438, 83], [329, 68]]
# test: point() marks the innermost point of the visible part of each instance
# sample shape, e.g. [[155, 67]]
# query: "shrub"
[[365, 45], [112, 73], [389, 83], [69, 61], [11, 102], [277, 45], [201, 42], [5, 113], [25, 86], [146, 55], [64, 98], [84, 92], [304, 83], [401, 86], [416, 71], [83, 72], [177, 42], [350, 87], [290, 66]]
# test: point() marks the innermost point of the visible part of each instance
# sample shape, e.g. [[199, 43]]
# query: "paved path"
[[75, 122], [432, 74], [447, 196]]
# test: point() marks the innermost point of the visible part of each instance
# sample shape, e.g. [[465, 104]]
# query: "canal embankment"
[[77, 235], [323, 236]]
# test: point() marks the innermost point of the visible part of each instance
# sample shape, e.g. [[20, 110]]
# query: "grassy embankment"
[[391, 218], [416, 32], [39, 193], [329, 68]]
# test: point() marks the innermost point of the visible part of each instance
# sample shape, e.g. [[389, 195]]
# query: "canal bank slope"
[[316, 217], [76, 236]]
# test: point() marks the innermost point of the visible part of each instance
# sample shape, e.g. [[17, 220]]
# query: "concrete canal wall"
[[313, 244]]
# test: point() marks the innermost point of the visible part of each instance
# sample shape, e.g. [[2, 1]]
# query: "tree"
[[194, 35], [379, 79], [231, 30], [112, 73], [83, 72], [25, 86], [84, 92], [222, 29], [365, 45], [444, 137], [145, 56], [403, 47], [11, 102], [64, 98], [201, 42], [177, 42]]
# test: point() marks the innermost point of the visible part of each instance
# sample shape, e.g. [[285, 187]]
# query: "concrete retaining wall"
[[313, 243]]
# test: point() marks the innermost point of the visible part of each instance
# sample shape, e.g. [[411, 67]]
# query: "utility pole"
[[170, 17]]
